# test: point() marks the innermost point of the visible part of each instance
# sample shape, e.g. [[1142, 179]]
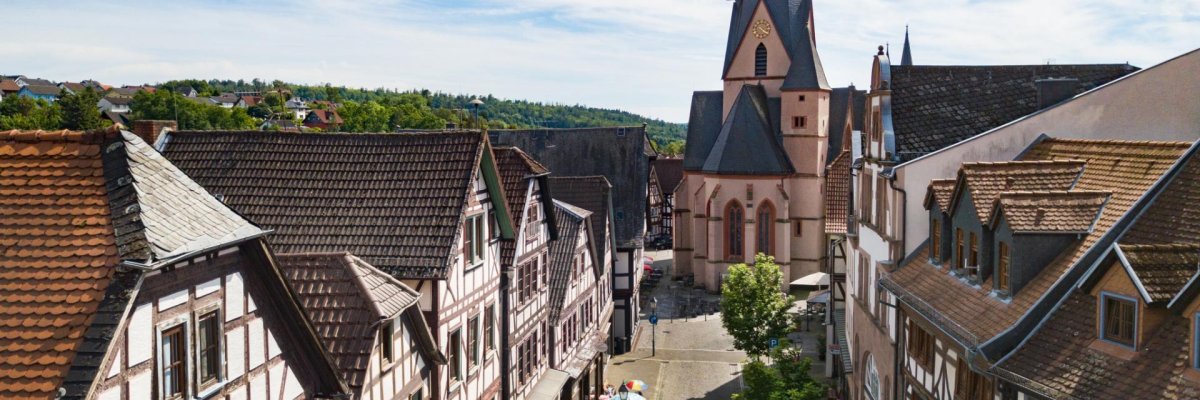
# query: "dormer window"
[[1118, 319], [760, 60], [935, 240], [958, 249], [1002, 268]]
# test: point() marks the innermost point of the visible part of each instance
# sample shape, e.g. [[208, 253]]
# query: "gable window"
[[473, 240], [473, 342], [174, 362], [209, 358], [760, 60], [493, 225], [935, 240], [387, 342], [958, 249], [970, 385], [489, 328], [735, 230], [533, 226], [456, 361], [765, 236], [1119, 318], [1002, 268]]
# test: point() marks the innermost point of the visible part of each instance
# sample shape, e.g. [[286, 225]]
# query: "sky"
[[643, 56]]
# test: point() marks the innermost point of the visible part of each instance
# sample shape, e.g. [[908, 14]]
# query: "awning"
[[818, 297], [551, 385], [813, 279]]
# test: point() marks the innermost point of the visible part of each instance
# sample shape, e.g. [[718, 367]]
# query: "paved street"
[[694, 359]]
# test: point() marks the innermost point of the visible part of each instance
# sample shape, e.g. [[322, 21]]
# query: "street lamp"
[[475, 103], [623, 393]]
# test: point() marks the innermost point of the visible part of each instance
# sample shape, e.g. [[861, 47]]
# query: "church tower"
[[756, 151]]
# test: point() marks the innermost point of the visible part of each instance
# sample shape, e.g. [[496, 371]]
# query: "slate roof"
[[119, 100], [837, 194], [1058, 360], [571, 220], [591, 193], [516, 171], [395, 200], [748, 142], [620, 154], [704, 123], [72, 206], [346, 299], [986, 180], [1049, 212], [670, 172], [790, 20], [1163, 269], [43, 90], [971, 314], [844, 103], [936, 106], [37, 82]]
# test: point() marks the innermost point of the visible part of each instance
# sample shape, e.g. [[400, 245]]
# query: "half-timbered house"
[[580, 302], [427, 208], [523, 285], [622, 155], [368, 321], [124, 279], [592, 193]]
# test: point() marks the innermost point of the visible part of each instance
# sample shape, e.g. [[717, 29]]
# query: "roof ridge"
[[1068, 161], [931, 66], [1158, 246], [1032, 193], [94, 136], [1119, 141]]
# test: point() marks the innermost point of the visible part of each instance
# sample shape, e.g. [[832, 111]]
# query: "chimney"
[[149, 130], [1051, 91]]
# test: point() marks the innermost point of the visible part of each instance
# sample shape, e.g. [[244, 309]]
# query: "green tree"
[[787, 379], [165, 105], [79, 110], [753, 310], [19, 112], [672, 148]]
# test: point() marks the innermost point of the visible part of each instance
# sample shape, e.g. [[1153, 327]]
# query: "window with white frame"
[[871, 383], [473, 352], [456, 356], [473, 240]]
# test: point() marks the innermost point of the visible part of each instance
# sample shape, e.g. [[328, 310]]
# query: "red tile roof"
[[58, 254], [837, 194], [1127, 169]]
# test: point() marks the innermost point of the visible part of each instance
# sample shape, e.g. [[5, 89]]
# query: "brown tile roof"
[[9, 86], [940, 191], [1059, 363], [515, 169], [1162, 269], [986, 180], [346, 299], [1125, 168], [72, 206], [1172, 217], [837, 194], [395, 200], [1049, 212], [561, 265], [670, 172], [592, 193]]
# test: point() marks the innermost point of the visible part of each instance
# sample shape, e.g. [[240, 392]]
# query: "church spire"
[[906, 57]]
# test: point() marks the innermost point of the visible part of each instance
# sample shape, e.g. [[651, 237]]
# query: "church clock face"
[[761, 28]]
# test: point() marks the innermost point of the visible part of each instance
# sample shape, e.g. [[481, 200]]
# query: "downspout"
[[896, 381], [505, 357]]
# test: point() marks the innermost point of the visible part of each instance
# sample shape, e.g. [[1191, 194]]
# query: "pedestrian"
[[609, 390]]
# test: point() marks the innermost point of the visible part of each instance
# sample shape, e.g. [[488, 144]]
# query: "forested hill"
[[497, 112]]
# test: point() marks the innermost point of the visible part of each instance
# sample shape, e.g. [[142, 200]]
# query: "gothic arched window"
[[764, 235], [760, 60], [735, 230]]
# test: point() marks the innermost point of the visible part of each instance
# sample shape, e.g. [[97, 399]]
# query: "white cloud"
[[638, 55]]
